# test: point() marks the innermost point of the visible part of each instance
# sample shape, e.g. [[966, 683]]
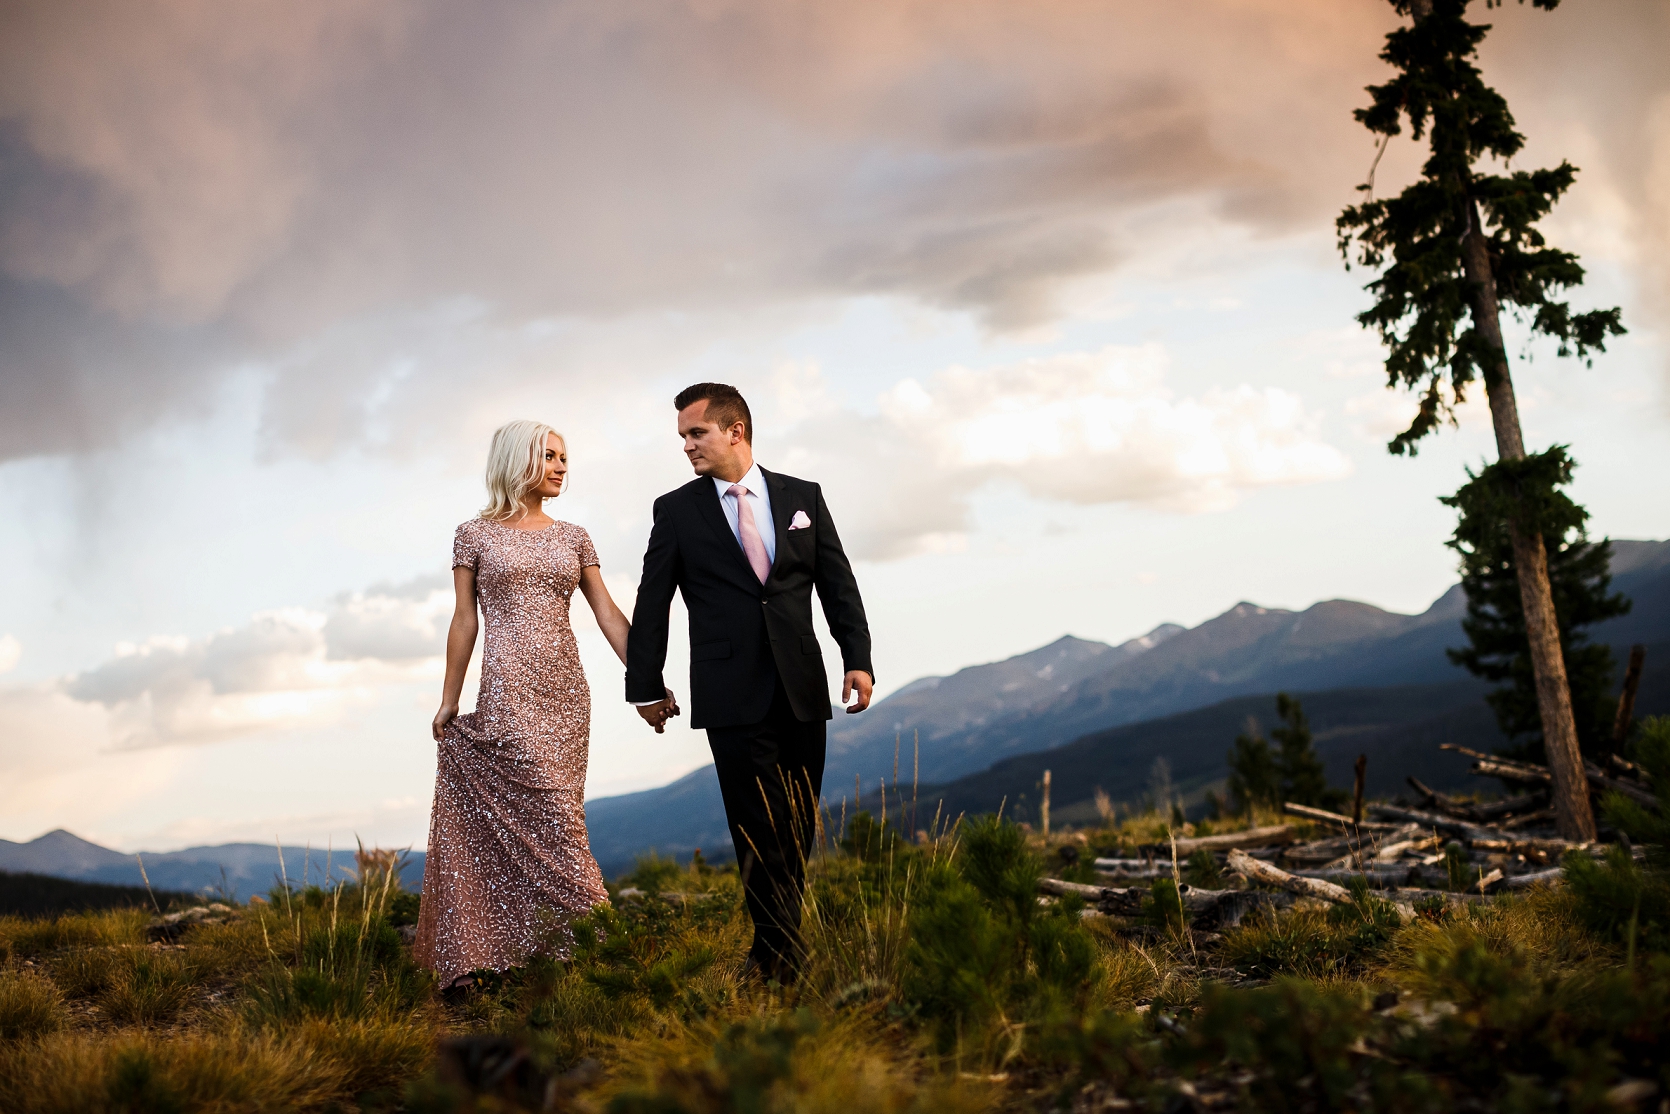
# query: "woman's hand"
[[442, 718], [657, 715]]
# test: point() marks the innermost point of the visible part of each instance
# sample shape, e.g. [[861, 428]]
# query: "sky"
[[1046, 297]]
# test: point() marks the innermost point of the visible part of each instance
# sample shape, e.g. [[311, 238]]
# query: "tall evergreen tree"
[[1455, 247], [1252, 771], [1579, 577]]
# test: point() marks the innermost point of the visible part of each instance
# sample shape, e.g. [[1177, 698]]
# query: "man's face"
[[712, 449]]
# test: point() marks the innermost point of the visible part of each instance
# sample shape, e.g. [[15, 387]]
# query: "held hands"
[[657, 715], [860, 681]]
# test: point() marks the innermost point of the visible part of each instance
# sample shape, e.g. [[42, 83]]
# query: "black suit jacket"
[[744, 634]]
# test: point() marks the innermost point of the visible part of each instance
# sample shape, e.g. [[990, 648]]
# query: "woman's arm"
[[616, 627], [460, 644], [610, 618]]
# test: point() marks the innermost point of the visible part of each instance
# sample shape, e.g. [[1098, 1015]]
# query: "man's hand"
[[860, 682], [657, 715]]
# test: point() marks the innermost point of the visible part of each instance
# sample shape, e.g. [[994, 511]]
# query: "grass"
[[934, 981]]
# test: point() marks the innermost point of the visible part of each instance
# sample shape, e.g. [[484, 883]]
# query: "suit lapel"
[[707, 503], [780, 514]]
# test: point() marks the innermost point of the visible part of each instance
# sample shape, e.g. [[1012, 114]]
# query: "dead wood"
[[1252, 837], [1433, 820], [1255, 871]]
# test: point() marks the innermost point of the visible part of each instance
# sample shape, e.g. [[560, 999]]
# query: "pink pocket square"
[[799, 521]]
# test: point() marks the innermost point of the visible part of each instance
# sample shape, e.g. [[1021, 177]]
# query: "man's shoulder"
[[792, 483], [686, 493]]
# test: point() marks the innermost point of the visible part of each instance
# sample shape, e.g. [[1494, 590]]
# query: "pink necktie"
[[751, 543]]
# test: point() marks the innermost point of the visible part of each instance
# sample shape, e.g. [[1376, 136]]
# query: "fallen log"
[[1307, 812], [1628, 789], [1510, 806], [1525, 820], [1222, 908], [1117, 900], [1137, 874], [1256, 871], [1252, 837], [1547, 846], [1432, 820], [1554, 877], [1443, 802], [1491, 766], [1242, 863], [1378, 878]]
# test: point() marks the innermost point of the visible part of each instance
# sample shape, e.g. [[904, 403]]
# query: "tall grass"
[[933, 979]]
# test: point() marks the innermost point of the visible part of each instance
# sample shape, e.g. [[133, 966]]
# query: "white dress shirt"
[[758, 501]]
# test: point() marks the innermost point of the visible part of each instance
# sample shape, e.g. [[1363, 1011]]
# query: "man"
[[746, 547]]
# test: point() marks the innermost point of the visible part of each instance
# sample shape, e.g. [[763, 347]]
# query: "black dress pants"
[[770, 775]]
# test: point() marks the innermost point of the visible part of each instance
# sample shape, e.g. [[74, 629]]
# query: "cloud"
[[327, 190], [1080, 428], [11, 652], [282, 669]]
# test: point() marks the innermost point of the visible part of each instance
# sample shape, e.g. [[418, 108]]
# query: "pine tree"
[[1456, 246], [1259, 774], [1252, 771], [1302, 778], [1579, 577]]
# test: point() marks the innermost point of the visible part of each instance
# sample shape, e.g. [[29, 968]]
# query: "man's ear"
[[738, 433]]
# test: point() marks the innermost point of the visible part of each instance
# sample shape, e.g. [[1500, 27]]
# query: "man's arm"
[[646, 643], [843, 608]]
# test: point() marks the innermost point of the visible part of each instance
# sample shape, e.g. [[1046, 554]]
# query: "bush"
[[984, 957]]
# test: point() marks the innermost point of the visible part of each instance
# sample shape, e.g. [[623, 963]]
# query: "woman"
[[508, 858]]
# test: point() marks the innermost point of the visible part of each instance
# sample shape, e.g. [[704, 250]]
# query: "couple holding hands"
[[508, 851]]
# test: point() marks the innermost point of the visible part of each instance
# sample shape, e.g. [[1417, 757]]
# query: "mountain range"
[[1376, 677], [238, 869], [1373, 682]]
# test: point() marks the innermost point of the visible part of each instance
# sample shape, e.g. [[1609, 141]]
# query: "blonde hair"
[[515, 466]]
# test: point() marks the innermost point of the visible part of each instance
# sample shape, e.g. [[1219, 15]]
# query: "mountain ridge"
[[1246, 651]]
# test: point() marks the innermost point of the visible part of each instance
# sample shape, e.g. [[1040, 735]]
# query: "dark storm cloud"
[[325, 185]]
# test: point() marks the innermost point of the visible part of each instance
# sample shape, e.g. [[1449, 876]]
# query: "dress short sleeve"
[[466, 547], [583, 548]]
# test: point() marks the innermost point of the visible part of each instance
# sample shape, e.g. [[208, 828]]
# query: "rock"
[[168, 928]]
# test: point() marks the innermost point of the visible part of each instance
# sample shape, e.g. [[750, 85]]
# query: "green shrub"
[[638, 952], [1164, 907], [983, 956], [29, 1005], [1619, 900]]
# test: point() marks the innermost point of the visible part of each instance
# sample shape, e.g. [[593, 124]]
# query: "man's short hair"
[[725, 405]]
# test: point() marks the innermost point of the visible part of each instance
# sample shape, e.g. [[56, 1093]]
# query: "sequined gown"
[[508, 857]]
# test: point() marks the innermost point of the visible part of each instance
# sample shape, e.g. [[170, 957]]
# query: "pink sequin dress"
[[508, 857]]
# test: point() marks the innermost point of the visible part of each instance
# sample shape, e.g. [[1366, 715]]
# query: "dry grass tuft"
[[30, 1005]]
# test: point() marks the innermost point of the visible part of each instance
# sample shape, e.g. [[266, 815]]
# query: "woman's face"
[[556, 467]]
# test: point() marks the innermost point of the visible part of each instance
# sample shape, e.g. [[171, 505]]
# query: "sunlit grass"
[[309, 1000]]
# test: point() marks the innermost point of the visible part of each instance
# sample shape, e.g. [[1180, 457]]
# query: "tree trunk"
[[1542, 627]]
